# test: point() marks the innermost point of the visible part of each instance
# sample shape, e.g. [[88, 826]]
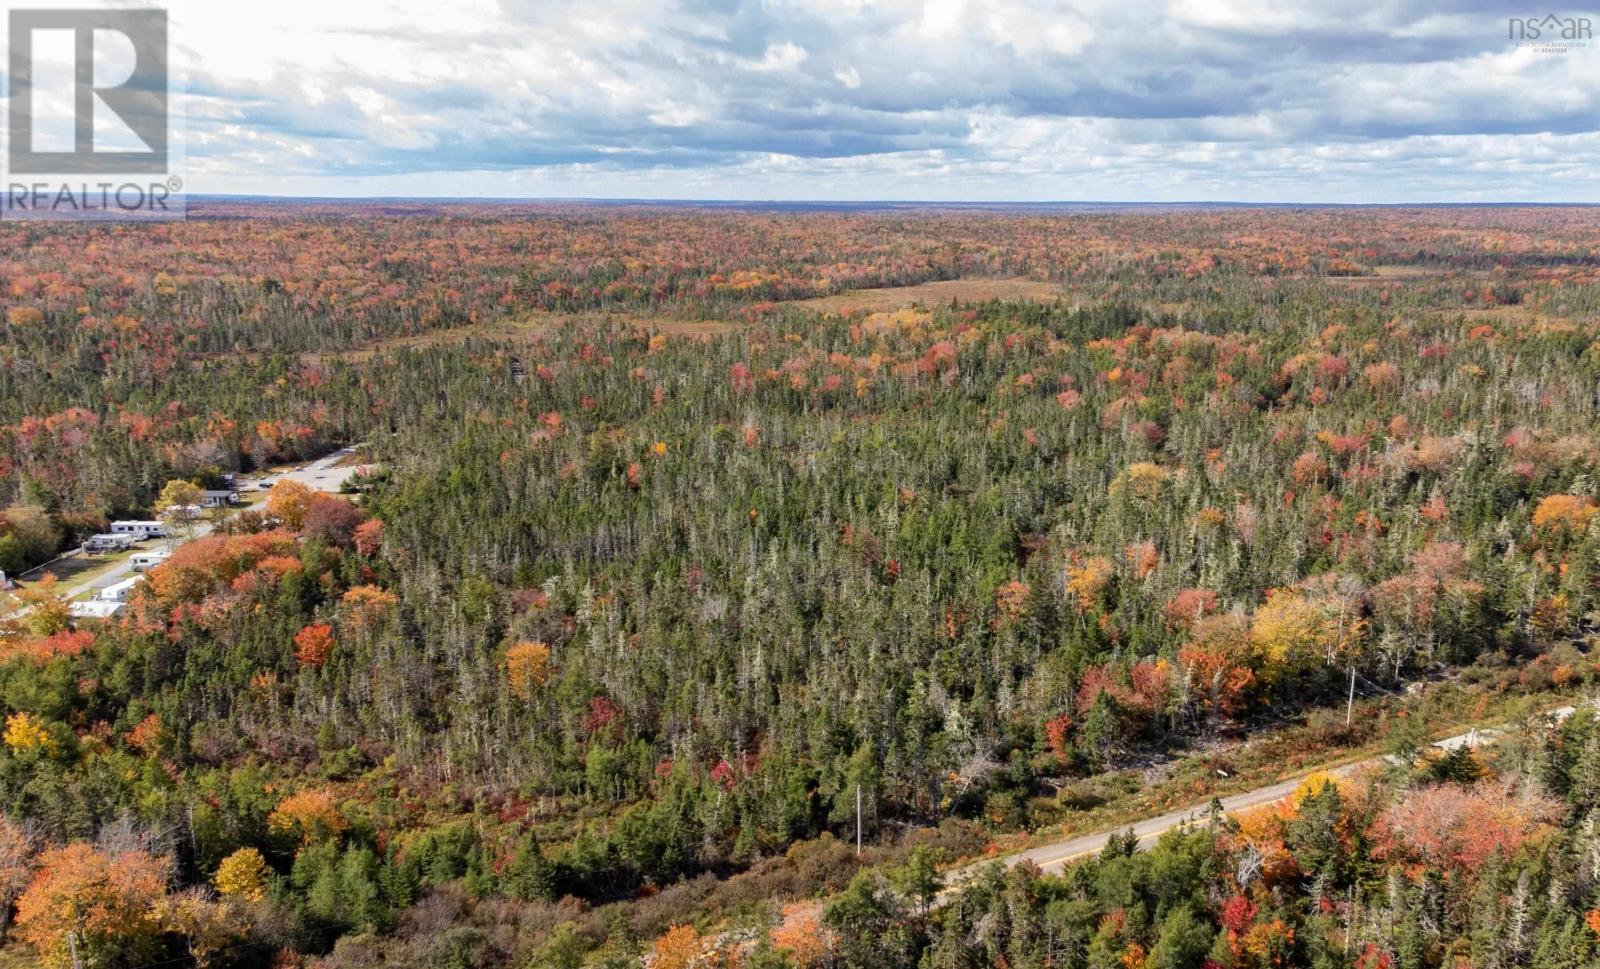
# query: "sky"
[[1008, 100]]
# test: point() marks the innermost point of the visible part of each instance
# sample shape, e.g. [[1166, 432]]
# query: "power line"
[[1437, 718]]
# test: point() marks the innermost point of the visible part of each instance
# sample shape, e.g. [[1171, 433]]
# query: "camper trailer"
[[119, 592], [140, 530], [95, 609], [145, 561], [108, 542]]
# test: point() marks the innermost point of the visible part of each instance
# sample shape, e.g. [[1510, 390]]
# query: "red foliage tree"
[[333, 520]]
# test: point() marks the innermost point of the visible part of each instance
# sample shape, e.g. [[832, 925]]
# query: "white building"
[[219, 499]]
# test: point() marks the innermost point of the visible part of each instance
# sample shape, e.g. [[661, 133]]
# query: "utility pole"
[[1350, 704], [1349, 919], [858, 819]]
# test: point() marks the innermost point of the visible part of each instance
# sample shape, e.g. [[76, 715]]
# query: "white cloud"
[[945, 99], [782, 57]]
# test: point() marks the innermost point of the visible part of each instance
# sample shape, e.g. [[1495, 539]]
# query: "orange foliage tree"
[[1087, 581], [369, 537], [313, 644], [1214, 680], [287, 502], [527, 667], [110, 901], [682, 947], [146, 735], [1563, 514], [1454, 827], [1188, 607], [365, 604], [802, 936], [206, 565], [312, 813]]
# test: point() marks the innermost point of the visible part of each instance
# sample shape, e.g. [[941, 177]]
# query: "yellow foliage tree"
[[1141, 479], [26, 733], [1313, 784], [1293, 630], [46, 611], [210, 927], [243, 874], [178, 502]]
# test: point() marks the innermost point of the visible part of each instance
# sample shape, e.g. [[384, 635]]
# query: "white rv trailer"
[[118, 592], [140, 529], [96, 609], [145, 561]]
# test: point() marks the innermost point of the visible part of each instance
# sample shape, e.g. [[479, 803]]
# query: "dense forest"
[[660, 562]]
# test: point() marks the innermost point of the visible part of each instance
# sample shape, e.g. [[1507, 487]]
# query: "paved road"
[[1055, 857], [319, 475]]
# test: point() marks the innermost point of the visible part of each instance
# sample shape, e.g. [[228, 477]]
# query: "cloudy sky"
[[1251, 100]]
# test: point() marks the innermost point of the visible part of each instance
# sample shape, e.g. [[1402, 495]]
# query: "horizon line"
[[862, 203]]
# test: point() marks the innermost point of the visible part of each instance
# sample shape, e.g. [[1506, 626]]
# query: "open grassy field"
[[540, 325], [934, 294]]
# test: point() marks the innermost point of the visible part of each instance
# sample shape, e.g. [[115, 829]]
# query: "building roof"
[[118, 589], [110, 538], [96, 609]]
